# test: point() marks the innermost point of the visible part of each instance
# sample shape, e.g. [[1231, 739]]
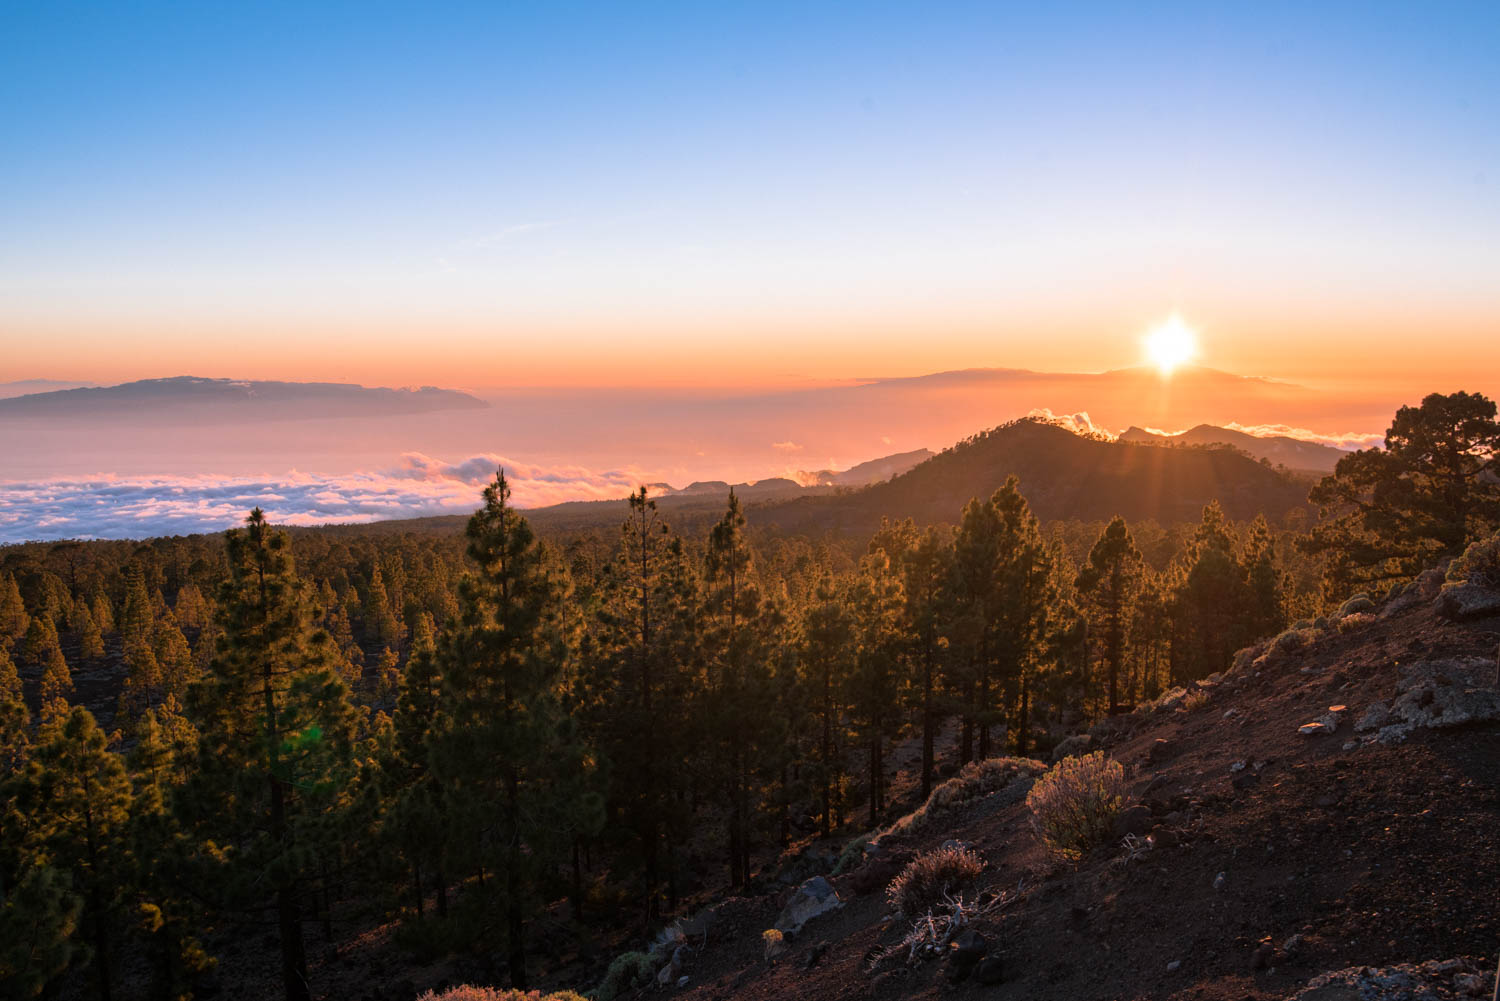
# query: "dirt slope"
[[1337, 850]]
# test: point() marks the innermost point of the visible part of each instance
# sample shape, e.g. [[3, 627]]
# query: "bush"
[[1479, 564], [1356, 604], [626, 972], [930, 875], [853, 853], [1354, 620], [1073, 806], [974, 781]]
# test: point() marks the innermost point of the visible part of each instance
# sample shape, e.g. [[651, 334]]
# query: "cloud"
[[114, 507], [786, 446], [1079, 423], [1349, 440]]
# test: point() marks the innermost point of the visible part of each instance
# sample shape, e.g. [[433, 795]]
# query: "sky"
[[746, 196]]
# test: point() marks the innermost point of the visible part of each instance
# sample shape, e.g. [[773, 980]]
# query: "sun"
[[1171, 345]]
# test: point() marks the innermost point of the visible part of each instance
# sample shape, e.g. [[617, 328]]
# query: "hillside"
[[1267, 865], [189, 398], [1279, 450], [1063, 476]]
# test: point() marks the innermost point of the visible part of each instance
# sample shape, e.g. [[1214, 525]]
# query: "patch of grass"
[[930, 875], [1358, 603], [1073, 806]]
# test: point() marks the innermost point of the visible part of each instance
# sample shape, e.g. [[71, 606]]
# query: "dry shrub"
[[1354, 620], [931, 875], [1073, 806], [974, 781], [627, 971]]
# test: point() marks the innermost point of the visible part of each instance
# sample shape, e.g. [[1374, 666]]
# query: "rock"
[[1292, 944], [812, 957], [1238, 766], [1430, 582], [1374, 718], [1163, 837], [1132, 820], [813, 898], [1468, 601], [665, 975], [967, 950], [1161, 750], [1244, 780], [1261, 958], [990, 971], [1219, 881], [1072, 747], [1174, 966], [1314, 729], [1468, 984], [683, 981]]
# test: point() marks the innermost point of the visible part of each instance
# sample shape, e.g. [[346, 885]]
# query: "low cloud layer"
[[1348, 440], [113, 507], [1079, 423]]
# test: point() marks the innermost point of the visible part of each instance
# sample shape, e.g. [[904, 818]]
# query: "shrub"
[[853, 853], [1358, 603], [1479, 564], [1354, 620], [1073, 806], [974, 781], [774, 943], [930, 875], [627, 971]]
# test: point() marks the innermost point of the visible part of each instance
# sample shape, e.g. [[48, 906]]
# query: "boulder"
[[1161, 750], [1132, 820], [812, 899], [968, 949], [1467, 601]]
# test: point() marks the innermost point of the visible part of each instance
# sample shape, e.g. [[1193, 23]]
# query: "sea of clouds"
[[107, 506]]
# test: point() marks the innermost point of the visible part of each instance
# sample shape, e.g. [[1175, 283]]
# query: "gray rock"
[[1219, 881], [1375, 717], [1467, 601], [1174, 966], [1161, 750], [812, 899]]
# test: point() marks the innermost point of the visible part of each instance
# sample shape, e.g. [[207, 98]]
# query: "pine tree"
[[1387, 513], [827, 657], [15, 719], [1028, 595], [975, 586], [41, 640], [38, 929], [1268, 583], [875, 686], [1111, 580], [741, 694], [276, 730], [1209, 599], [381, 626], [504, 757], [90, 642], [57, 686], [174, 658], [191, 609], [103, 613], [13, 618], [79, 796], [138, 618]]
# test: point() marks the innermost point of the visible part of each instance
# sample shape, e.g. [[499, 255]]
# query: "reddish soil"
[[1375, 855]]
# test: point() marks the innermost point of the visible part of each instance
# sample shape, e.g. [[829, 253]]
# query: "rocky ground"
[[1355, 859]]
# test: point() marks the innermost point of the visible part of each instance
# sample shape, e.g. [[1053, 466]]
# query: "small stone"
[[1133, 820], [1219, 881], [1174, 966], [1315, 729], [1469, 984], [1238, 766], [1262, 956], [682, 981]]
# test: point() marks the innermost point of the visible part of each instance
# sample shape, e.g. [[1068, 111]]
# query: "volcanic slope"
[[1267, 858], [1063, 476]]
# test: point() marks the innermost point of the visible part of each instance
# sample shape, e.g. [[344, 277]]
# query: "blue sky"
[[1021, 184]]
